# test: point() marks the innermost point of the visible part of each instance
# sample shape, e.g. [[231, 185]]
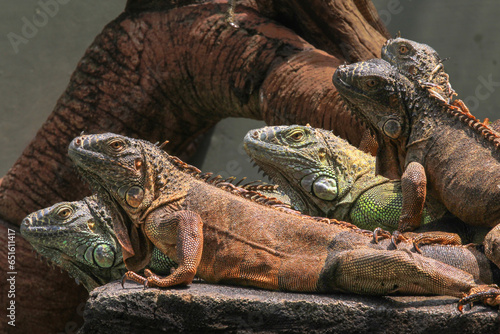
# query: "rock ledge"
[[216, 308]]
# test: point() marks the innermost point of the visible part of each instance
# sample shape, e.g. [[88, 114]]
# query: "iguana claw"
[[379, 232], [396, 238], [488, 294]]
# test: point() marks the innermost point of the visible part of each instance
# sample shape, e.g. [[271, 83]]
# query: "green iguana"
[[323, 175], [439, 150], [78, 236], [226, 234]]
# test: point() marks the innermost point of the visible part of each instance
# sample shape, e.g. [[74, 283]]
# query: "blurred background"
[[34, 72]]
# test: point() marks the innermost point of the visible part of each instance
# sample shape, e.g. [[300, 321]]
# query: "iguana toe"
[[396, 238], [130, 275], [380, 233]]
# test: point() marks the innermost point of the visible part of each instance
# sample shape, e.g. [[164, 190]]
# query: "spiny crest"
[[248, 191], [346, 154], [468, 119], [99, 210], [457, 109], [344, 224]]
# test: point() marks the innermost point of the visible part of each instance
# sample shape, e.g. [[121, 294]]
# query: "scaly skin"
[[326, 176], [78, 236], [445, 153], [418, 62], [227, 234]]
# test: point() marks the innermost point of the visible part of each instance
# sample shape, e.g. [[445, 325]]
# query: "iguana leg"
[[413, 186], [433, 237], [181, 231], [379, 272], [488, 294]]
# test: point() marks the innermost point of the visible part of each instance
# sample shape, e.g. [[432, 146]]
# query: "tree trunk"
[[173, 74]]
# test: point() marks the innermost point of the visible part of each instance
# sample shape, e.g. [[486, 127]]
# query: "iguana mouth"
[[80, 272], [343, 87], [338, 80]]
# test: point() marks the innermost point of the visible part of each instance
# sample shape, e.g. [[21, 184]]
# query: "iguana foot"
[[433, 237], [397, 237], [131, 276], [488, 294], [178, 277], [380, 233]]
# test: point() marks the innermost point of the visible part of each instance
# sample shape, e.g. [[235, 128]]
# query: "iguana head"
[[129, 170], [418, 62], [312, 166], [376, 93], [117, 164], [78, 237]]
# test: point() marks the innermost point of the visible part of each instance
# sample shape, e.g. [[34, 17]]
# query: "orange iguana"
[[443, 153], [226, 234]]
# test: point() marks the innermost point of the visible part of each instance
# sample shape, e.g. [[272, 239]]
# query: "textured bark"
[[349, 30], [172, 74]]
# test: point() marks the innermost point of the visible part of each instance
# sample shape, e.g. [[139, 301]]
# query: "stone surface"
[[205, 308]]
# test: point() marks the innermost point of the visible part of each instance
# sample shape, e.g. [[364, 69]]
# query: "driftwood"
[[166, 71]]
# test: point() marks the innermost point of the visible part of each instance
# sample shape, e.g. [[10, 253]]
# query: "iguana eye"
[[371, 83], [64, 212], [297, 136], [117, 145], [404, 49]]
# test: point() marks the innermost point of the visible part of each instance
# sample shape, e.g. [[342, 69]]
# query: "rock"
[[205, 307]]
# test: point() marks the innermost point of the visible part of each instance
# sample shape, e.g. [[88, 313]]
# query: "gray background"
[[32, 79]]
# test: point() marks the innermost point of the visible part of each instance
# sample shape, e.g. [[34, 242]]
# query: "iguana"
[[418, 62], [326, 176], [444, 152], [421, 63], [226, 234], [78, 236], [323, 175]]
